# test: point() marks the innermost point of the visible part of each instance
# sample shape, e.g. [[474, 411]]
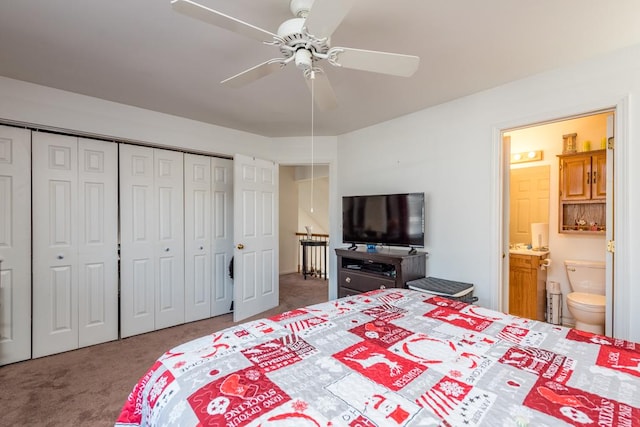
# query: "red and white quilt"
[[393, 357]]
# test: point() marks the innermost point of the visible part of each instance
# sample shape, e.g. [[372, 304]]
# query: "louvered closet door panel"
[[169, 245], [197, 227], [97, 228], [222, 234], [138, 233], [55, 239], [15, 245]]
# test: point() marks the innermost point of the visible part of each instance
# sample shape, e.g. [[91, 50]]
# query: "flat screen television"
[[384, 219]]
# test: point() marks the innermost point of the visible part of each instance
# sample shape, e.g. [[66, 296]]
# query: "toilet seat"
[[587, 302]]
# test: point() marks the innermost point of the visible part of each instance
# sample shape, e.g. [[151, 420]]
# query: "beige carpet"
[[89, 386]]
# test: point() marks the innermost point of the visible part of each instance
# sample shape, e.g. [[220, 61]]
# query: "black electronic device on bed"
[[446, 288]]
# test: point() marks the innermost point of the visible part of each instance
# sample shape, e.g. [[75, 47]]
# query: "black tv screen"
[[384, 219]]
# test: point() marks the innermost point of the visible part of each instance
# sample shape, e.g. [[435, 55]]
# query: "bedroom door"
[[256, 286], [610, 327], [151, 238], [15, 245], [75, 267], [222, 235]]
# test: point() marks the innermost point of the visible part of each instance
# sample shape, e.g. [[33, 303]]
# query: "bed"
[[392, 357]]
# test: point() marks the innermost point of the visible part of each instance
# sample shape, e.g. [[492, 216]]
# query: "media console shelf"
[[362, 271]]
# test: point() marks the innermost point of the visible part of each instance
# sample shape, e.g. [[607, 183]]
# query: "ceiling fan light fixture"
[[304, 59]]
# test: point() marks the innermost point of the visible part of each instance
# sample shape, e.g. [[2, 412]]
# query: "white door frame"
[[621, 297]]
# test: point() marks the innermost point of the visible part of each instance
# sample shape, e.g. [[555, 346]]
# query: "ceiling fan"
[[305, 40]]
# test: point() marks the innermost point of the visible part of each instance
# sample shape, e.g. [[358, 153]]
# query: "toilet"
[[587, 302]]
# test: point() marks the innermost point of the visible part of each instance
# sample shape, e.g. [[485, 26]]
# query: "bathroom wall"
[[548, 137]]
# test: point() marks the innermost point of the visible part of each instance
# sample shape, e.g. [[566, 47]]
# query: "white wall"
[[452, 153], [40, 105]]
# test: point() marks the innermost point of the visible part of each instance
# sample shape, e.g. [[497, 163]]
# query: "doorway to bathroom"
[[533, 194]]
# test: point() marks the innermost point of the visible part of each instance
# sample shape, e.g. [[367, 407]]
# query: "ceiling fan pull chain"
[[312, 76]]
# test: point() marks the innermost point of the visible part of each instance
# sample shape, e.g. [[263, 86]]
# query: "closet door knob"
[[167, 249], [201, 247], [60, 256], [240, 246]]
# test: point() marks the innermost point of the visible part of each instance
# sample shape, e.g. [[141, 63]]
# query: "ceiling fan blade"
[[210, 16], [325, 16], [323, 94], [395, 64], [255, 73]]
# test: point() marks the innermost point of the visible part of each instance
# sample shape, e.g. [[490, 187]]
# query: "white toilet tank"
[[586, 276]]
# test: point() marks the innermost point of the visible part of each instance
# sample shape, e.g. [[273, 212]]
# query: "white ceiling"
[[143, 53]]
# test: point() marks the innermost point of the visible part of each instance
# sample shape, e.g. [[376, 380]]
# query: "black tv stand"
[[353, 247], [361, 271]]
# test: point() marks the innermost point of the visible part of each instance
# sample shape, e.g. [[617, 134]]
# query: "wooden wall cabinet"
[[583, 192], [361, 271], [583, 176], [527, 293]]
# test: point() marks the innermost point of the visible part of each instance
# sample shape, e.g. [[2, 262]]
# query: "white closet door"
[[137, 240], [222, 234], [75, 270], [197, 226], [97, 229], [169, 182], [55, 239], [15, 245]]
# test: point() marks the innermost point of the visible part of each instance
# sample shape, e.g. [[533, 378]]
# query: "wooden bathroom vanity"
[[527, 284]]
